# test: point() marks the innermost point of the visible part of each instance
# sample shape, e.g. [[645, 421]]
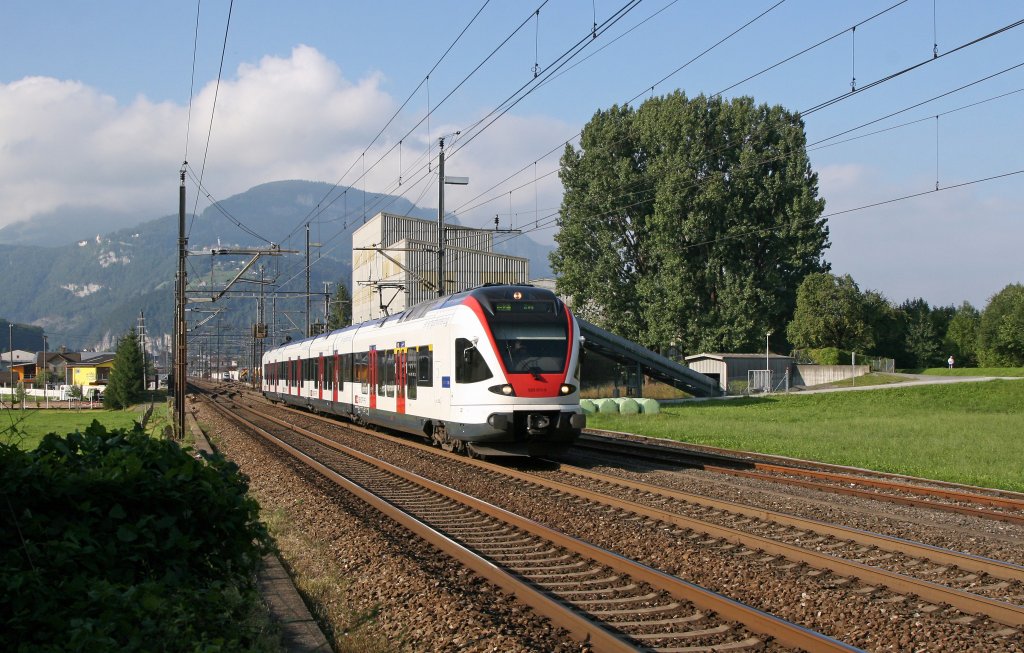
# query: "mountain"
[[88, 293], [66, 225]]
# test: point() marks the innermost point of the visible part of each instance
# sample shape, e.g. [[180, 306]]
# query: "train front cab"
[[531, 397]]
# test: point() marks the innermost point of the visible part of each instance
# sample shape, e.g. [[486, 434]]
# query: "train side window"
[[424, 364], [410, 373], [379, 390], [346, 375], [361, 368], [470, 366], [389, 370]]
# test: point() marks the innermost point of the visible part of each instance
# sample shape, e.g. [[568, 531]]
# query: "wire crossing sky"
[[914, 105]]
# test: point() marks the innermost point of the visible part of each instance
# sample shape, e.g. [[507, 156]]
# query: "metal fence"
[[764, 381], [887, 365]]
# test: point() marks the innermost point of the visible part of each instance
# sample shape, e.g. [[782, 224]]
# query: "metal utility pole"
[[142, 344], [258, 344], [180, 331], [440, 218], [306, 335], [46, 377], [217, 364], [441, 181]]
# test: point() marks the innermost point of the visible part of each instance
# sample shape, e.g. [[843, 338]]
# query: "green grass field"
[[966, 432], [27, 427]]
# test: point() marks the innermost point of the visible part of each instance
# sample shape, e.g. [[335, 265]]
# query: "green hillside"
[[89, 292]]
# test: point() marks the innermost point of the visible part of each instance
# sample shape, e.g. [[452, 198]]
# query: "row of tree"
[[695, 224], [831, 311]]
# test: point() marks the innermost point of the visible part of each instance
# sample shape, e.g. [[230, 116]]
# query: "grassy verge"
[[966, 433], [26, 428]]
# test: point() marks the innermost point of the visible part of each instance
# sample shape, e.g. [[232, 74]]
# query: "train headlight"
[[504, 389], [566, 389]]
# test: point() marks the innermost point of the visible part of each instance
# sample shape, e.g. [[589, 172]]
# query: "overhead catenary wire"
[[651, 87], [811, 47], [515, 98], [192, 82], [837, 135], [532, 164], [551, 220], [862, 22], [894, 75], [213, 109], [430, 108]]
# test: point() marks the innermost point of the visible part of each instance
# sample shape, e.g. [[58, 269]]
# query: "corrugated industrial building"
[[727, 369], [394, 263]]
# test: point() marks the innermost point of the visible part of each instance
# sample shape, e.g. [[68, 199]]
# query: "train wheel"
[[439, 437]]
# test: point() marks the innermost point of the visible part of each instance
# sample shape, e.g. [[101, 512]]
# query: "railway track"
[[972, 584], [615, 603], [919, 493]]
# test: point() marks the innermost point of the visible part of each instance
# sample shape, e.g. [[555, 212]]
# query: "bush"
[[115, 541]]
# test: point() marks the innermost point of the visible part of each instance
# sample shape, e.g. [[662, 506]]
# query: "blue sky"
[[94, 109]]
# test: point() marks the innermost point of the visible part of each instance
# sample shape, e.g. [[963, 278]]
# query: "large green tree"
[[1001, 329], [830, 312], [924, 328], [341, 308], [689, 222], [961, 339], [125, 386]]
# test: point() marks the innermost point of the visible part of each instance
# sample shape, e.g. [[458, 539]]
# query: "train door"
[[373, 376], [336, 374], [401, 354], [320, 376]]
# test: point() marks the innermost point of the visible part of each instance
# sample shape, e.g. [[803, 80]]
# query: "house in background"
[[21, 364], [93, 369]]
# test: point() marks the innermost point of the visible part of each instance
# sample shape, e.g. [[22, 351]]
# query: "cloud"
[[67, 146], [841, 177]]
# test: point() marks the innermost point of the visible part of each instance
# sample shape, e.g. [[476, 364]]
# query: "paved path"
[[911, 380]]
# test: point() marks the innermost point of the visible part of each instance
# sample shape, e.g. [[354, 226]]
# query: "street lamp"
[[442, 180]]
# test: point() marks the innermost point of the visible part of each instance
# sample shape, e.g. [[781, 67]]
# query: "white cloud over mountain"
[[65, 144]]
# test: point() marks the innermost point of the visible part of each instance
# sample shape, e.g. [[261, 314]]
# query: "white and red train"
[[488, 371]]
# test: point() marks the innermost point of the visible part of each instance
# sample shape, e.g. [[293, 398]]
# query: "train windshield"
[[531, 347]]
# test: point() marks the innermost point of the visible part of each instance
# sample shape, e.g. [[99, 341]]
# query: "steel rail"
[[609, 445], [580, 628], [1006, 613], [800, 465], [966, 561], [956, 495], [782, 631]]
